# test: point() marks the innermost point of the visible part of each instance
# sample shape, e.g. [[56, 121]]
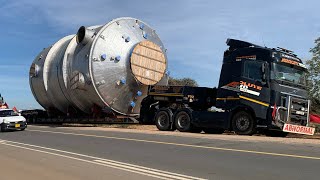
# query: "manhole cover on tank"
[[148, 63]]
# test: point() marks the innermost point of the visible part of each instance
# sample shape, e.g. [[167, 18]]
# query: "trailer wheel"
[[163, 119], [3, 128], [34, 119], [28, 118], [182, 121], [243, 123], [213, 130]]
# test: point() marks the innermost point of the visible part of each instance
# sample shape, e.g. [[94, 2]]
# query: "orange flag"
[[15, 109]]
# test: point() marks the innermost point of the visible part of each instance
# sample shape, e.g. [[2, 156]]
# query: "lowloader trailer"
[[260, 88]]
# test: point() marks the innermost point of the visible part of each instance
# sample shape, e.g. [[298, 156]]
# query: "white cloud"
[[193, 31]]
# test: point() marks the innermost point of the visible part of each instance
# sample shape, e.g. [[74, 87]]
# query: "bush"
[[182, 82], [317, 126]]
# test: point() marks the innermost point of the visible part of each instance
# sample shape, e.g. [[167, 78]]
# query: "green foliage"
[[182, 82], [317, 128], [314, 77]]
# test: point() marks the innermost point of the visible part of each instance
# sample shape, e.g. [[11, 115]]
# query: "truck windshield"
[[288, 74], [6, 113]]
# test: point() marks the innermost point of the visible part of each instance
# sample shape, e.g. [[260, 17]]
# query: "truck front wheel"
[[243, 123], [163, 119]]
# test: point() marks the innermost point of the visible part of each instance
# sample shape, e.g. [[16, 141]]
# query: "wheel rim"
[[183, 121], [162, 120], [243, 123]]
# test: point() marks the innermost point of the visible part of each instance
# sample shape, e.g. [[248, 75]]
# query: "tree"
[[182, 82], [314, 77]]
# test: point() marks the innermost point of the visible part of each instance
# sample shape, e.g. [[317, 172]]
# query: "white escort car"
[[10, 120]]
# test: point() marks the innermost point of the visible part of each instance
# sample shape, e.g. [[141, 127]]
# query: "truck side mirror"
[[264, 79], [263, 70]]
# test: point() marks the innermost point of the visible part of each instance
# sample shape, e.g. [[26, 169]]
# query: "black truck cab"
[[259, 87], [260, 79]]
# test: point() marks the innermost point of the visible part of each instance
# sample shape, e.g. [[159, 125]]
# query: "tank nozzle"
[[85, 35]]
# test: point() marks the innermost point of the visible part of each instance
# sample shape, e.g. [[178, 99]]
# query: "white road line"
[[106, 162], [184, 145], [83, 160], [146, 171]]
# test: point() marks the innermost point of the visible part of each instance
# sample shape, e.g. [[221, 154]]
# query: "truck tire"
[[275, 133], [3, 128], [243, 123], [28, 118], [163, 119], [182, 121], [213, 130], [34, 119]]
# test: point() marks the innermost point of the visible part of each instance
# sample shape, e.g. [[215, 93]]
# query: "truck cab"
[[259, 88], [269, 84]]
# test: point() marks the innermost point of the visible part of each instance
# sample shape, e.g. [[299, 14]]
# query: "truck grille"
[[297, 111]]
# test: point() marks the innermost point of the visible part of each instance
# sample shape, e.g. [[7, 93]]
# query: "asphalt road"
[[62, 153], [19, 163]]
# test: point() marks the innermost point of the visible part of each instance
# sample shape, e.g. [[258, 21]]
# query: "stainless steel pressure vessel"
[[105, 67]]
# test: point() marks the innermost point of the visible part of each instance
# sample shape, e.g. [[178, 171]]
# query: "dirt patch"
[[130, 126], [120, 126], [315, 136]]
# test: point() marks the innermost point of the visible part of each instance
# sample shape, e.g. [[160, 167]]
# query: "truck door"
[[254, 88]]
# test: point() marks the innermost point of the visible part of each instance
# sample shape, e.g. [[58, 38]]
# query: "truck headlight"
[[5, 121]]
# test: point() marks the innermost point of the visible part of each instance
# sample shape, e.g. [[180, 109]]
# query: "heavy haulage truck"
[[259, 88], [120, 70]]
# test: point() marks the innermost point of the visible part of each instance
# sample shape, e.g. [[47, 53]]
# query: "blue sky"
[[193, 31]]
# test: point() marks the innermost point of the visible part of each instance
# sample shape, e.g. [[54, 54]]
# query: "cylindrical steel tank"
[[105, 67]]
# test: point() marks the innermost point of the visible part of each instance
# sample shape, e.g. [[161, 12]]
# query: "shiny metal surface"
[[111, 40], [95, 71], [36, 79], [52, 78]]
